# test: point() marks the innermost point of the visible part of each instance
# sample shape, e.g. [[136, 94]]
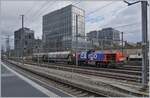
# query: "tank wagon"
[[64, 56]]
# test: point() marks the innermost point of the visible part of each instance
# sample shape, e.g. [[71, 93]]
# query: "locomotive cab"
[[114, 59]]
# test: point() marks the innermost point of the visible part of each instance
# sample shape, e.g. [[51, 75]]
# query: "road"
[[14, 84]]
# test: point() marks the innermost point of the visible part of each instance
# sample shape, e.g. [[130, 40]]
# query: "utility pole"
[[38, 46], [145, 51], [97, 37], [145, 43], [76, 40], [8, 46], [22, 18], [2, 52], [22, 49], [86, 40], [122, 41]]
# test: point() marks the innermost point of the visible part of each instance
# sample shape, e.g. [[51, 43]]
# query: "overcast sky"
[[98, 15]]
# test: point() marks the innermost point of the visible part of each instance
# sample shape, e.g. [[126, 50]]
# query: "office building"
[[106, 37], [61, 27]]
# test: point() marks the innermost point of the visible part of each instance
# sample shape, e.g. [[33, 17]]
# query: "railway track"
[[38, 71], [127, 66], [70, 90], [120, 74], [123, 69]]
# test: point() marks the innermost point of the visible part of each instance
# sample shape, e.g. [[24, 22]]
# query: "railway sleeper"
[[117, 70], [84, 95], [67, 81], [95, 92]]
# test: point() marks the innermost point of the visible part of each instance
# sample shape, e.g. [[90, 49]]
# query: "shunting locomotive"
[[100, 58]]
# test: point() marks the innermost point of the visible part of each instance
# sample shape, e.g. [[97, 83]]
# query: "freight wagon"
[[63, 56]]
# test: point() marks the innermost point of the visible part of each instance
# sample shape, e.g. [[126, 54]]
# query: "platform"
[[13, 85]]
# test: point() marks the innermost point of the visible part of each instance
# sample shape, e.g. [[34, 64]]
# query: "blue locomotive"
[[100, 58]]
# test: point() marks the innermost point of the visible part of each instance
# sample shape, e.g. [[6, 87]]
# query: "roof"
[[62, 9], [26, 29]]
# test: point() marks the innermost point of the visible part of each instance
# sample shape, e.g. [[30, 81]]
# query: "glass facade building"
[[105, 37], [61, 27]]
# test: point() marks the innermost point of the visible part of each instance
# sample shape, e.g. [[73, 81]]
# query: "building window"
[[26, 42], [29, 36]]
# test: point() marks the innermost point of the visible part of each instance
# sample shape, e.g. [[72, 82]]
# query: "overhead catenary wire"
[[77, 3], [36, 11], [132, 32], [126, 25], [31, 8], [120, 26], [46, 6], [119, 10], [53, 3], [98, 9], [103, 8], [39, 9]]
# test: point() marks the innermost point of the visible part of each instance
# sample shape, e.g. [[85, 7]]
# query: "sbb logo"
[[95, 56], [83, 55], [92, 56]]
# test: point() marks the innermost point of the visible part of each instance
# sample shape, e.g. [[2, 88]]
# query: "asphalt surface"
[[14, 86]]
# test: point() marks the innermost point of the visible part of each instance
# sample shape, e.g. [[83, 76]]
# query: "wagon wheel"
[[112, 64]]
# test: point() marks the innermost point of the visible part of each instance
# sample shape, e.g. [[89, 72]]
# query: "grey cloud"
[[114, 15]]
